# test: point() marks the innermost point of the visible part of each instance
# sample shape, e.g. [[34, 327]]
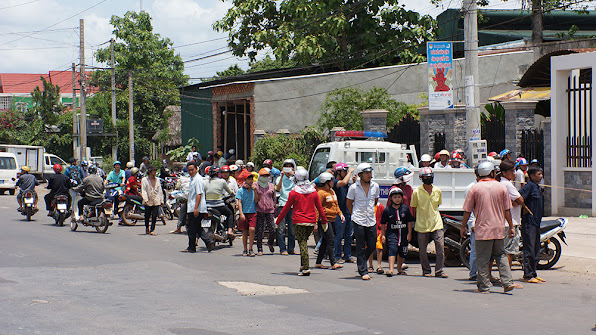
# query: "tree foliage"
[[279, 147], [343, 107], [157, 73], [341, 33]]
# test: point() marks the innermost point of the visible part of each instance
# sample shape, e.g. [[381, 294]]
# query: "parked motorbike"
[[28, 203], [60, 209], [550, 247], [134, 210]]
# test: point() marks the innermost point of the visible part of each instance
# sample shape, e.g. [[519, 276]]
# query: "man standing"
[[196, 210], [285, 184], [144, 165], [443, 162], [343, 228], [425, 203], [193, 155], [152, 198], [530, 224], [490, 203], [362, 197]]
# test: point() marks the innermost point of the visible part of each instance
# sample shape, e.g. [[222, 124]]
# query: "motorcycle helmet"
[[485, 168], [522, 161], [25, 168], [275, 172], [341, 167], [57, 168], [455, 155], [396, 190], [264, 172], [117, 162], [233, 168], [209, 153], [92, 169], [301, 175], [425, 158], [363, 167], [426, 172], [84, 163], [324, 177], [225, 168], [402, 175], [290, 161], [504, 153], [129, 165], [437, 157], [239, 163], [134, 171], [492, 154], [251, 164], [212, 170], [232, 151], [268, 162]]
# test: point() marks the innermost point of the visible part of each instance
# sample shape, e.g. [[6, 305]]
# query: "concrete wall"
[[578, 180], [519, 116], [294, 103], [546, 127]]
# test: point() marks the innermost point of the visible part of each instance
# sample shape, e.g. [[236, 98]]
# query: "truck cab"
[[49, 161], [385, 157]]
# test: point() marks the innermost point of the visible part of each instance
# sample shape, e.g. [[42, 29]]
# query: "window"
[[5, 102], [371, 157], [319, 163], [21, 106], [7, 163], [56, 160]]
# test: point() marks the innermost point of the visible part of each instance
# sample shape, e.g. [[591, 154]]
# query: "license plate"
[[206, 223], [28, 200], [61, 206], [108, 211]]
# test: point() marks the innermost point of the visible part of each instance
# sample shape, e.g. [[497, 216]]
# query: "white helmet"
[[426, 172], [324, 177], [485, 168], [129, 165], [363, 167], [239, 163], [233, 168], [251, 164], [425, 158], [290, 161], [232, 151], [301, 175]]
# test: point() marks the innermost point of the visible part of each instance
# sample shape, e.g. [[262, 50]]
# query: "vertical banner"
[[440, 75]]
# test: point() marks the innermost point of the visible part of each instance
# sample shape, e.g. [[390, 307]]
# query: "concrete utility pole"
[[113, 65], [131, 131], [537, 28], [74, 111], [472, 93], [83, 119]]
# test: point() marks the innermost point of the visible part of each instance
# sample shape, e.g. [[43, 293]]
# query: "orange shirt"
[[329, 203]]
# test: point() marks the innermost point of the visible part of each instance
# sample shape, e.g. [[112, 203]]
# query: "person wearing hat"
[[396, 230], [343, 230], [491, 204], [26, 182], [284, 185], [265, 211], [193, 155], [58, 184], [305, 202], [93, 185], [222, 160], [231, 155], [84, 165], [331, 207], [242, 173], [207, 161], [425, 203], [196, 210], [402, 177], [152, 198], [250, 167], [129, 165], [214, 191], [117, 176], [521, 173], [443, 162], [425, 160], [505, 155], [362, 197], [144, 165]]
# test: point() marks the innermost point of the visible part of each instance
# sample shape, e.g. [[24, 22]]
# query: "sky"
[[37, 36]]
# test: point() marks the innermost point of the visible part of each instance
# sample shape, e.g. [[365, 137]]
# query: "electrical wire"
[[18, 5]]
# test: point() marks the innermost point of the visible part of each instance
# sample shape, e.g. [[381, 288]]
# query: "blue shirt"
[[533, 199], [74, 172], [117, 178], [248, 200], [342, 193], [194, 188], [287, 185]]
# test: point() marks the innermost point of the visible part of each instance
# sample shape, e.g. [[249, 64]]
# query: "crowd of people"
[[340, 205]]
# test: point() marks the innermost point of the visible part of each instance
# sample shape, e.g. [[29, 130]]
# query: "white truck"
[[385, 157], [35, 157]]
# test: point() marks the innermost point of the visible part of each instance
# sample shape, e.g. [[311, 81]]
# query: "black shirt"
[[58, 184], [397, 219], [533, 199]]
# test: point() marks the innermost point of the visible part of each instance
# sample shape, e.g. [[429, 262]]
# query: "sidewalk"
[[579, 255]]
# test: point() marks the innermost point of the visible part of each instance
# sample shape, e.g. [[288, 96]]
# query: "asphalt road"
[[55, 281]]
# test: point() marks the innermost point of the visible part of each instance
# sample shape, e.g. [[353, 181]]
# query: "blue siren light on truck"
[[360, 133]]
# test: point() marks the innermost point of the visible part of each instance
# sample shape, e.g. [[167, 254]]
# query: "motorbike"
[[134, 210], [111, 193], [96, 215], [28, 204], [214, 224], [175, 201], [60, 209], [550, 247]]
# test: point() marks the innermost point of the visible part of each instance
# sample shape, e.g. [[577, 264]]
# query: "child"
[[530, 224], [265, 210], [396, 223], [247, 199], [379, 245]]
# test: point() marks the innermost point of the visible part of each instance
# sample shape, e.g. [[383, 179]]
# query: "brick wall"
[[233, 89], [519, 116], [452, 122]]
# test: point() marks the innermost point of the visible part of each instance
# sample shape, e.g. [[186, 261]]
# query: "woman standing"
[[152, 198], [265, 210]]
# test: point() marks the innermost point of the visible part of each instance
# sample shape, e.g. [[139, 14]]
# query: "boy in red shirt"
[[305, 202], [379, 208]]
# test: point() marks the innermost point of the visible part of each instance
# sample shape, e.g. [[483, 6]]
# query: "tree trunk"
[[537, 28]]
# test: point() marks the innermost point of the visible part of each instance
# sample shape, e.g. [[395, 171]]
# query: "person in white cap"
[[443, 162], [425, 160]]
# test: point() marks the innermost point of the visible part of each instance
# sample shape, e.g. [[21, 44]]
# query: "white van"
[[385, 157], [9, 169], [49, 161]]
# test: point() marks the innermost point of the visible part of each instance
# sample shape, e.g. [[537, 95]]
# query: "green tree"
[[342, 108], [342, 33], [157, 73], [279, 147], [46, 102]]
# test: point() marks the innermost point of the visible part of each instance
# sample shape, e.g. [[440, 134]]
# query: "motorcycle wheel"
[[29, 212], [168, 214], [126, 216], [548, 255], [103, 223], [60, 219], [464, 252], [73, 224]]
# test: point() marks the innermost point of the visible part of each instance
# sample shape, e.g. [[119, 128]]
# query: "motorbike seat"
[[96, 202], [549, 225]]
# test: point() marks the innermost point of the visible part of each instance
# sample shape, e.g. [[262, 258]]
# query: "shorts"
[[379, 242], [395, 248], [512, 243], [250, 222]]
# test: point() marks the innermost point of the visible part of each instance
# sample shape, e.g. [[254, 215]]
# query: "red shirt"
[[378, 214], [305, 208], [407, 195], [132, 186]]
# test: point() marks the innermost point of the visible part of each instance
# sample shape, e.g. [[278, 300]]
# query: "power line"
[[18, 5]]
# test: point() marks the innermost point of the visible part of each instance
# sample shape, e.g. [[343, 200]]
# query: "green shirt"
[[428, 218]]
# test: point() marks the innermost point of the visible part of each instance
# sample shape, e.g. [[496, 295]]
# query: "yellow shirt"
[[428, 218]]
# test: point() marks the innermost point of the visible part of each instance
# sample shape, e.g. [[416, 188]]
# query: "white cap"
[[425, 158]]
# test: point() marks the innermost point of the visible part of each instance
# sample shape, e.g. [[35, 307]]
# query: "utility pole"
[[472, 93], [113, 65], [83, 75], [74, 111], [537, 28], [131, 131]]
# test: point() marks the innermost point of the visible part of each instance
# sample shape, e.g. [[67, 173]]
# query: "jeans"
[[423, 240], [531, 237], [286, 223], [485, 249], [73, 198], [343, 230], [182, 215], [366, 241], [326, 240], [473, 267], [151, 212], [194, 229]]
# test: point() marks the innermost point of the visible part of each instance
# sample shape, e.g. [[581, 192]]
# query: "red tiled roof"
[[26, 82]]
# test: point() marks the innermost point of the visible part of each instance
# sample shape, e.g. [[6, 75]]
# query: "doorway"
[[234, 120]]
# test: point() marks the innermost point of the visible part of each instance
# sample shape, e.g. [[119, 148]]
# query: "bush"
[[279, 147]]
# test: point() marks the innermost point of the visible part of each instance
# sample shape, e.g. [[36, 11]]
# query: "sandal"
[[304, 273], [380, 271], [371, 269], [251, 253], [244, 253], [402, 273], [152, 233], [389, 273], [336, 266], [321, 266]]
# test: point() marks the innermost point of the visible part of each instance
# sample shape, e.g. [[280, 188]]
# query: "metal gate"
[[579, 118], [406, 131], [439, 143], [493, 131], [532, 145]]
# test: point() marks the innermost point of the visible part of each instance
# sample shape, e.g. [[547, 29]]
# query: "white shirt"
[[513, 195], [472, 219], [233, 185], [196, 187], [519, 179], [191, 156], [363, 212], [438, 165]]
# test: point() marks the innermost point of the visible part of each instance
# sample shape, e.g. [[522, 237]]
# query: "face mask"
[[263, 181], [427, 180], [287, 169]]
